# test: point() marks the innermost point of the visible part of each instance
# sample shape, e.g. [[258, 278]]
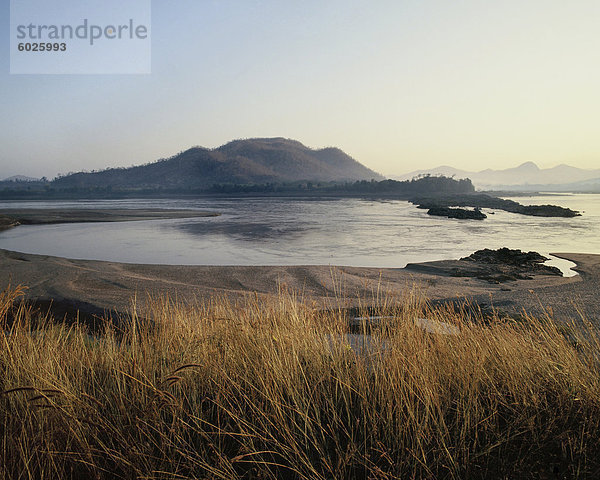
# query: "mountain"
[[252, 161], [527, 176], [21, 178], [585, 186]]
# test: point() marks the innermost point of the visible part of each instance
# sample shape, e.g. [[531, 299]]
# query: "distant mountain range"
[[252, 161], [21, 178], [526, 177]]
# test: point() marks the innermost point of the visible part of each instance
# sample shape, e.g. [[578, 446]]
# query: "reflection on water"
[[256, 232], [272, 231]]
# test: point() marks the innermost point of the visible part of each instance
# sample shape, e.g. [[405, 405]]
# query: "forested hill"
[[427, 186], [253, 161]]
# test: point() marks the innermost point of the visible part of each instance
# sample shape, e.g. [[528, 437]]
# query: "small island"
[[460, 213], [483, 200]]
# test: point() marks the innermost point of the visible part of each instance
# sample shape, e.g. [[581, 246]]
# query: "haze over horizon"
[[399, 86]]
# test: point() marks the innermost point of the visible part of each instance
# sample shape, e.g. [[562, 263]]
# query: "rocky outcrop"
[[505, 264], [482, 200], [460, 213], [506, 256], [494, 266]]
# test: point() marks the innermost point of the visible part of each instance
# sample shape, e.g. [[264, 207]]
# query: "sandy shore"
[[94, 287], [40, 216]]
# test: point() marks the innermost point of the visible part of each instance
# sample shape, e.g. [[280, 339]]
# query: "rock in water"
[[460, 213]]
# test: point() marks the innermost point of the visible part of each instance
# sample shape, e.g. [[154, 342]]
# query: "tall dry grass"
[[273, 390]]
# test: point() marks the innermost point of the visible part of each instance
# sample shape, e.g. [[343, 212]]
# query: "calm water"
[[283, 232]]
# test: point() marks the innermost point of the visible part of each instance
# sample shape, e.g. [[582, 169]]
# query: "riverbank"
[[95, 287], [273, 388], [237, 379], [46, 216]]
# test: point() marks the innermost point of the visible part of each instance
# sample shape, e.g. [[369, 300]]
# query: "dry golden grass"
[[273, 390]]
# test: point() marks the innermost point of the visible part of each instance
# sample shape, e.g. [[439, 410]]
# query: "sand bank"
[[43, 216], [96, 287]]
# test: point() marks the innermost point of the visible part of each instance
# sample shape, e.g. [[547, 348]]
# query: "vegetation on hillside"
[[384, 188], [252, 161], [272, 389]]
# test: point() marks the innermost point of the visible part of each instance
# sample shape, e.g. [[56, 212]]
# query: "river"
[[283, 231]]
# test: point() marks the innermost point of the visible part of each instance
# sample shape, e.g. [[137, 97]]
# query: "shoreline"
[[97, 287], [10, 218]]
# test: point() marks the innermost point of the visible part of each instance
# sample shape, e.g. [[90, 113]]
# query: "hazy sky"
[[400, 85]]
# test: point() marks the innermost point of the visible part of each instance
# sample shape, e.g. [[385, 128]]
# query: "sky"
[[399, 85]]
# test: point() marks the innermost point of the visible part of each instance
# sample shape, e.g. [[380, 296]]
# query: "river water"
[[276, 231]]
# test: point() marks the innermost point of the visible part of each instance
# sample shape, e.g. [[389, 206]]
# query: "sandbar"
[[99, 287]]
